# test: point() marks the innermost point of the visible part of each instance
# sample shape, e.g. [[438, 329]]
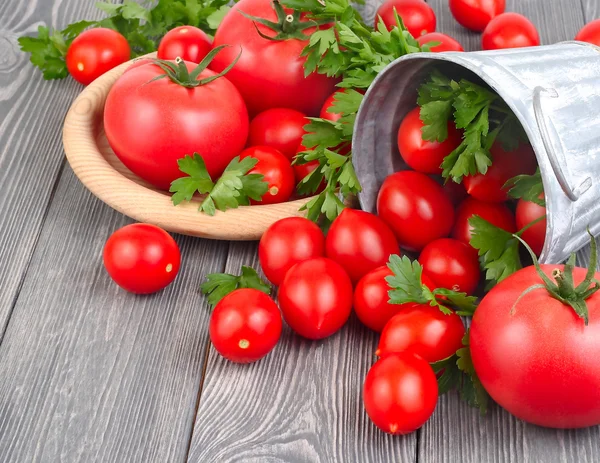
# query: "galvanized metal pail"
[[554, 91]]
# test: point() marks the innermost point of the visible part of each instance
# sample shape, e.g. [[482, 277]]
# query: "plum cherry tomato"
[[287, 242], [279, 128], [277, 171], [416, 209], [186, 42], [476, 14], [360, 242], [418, 16], [400, 393], [245, 325], [424, 331], [371, 299], [421, 155], [142, 258], [95, 52], [509, 30], [495, 213], [590, 33], [534, 236], [451, 264], [446, 43], [316, 298]]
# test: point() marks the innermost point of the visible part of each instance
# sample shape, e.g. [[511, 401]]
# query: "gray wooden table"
[[91, 373]]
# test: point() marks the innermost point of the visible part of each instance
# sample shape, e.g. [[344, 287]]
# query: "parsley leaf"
[[527, 187], [219, 285], [198, 179]]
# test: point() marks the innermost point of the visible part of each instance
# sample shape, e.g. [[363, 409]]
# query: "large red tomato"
[[509, 30], [417, 16], [360, 242], [476, 14], [590, 33], [446, 43], [281, 128], [416, 209], [534, 355], [186, 42], [277, 171], [534, 236], [497, 214], [269, 73], [150, 124]]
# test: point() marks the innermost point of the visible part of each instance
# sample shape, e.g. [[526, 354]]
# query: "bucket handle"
[[572, 193]]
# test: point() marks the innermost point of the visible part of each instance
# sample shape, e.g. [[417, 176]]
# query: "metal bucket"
[[553, 90]]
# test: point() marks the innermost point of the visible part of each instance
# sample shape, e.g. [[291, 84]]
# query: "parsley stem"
[[530, 224]]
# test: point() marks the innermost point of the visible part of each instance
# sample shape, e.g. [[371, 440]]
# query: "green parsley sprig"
[[219, 285], [527, 187]]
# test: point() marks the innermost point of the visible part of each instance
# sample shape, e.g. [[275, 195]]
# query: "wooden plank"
[[301, 403], [591, 9], [89, 372]]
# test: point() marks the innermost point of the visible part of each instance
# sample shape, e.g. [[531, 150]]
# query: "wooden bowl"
[[99, 169]]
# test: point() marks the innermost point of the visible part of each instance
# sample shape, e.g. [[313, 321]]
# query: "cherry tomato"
[[95, 52], [534, 236], [245, 325], [476, 14], [142, 258], [371, 300], [287, 242], [418, 16], [424, 156], [325, 114], [301, 171], [451, 264], [447, 43], [316, 298], [505, 165], [416, 209], [186, 42], [590, 33], [279, 128], [455, 192], [424, 331], [276, 169], [495, 213], [509, 30], [400, 393], [360, 242]]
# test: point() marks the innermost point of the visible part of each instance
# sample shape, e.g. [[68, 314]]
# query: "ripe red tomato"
[[95, 52], [360, 242], [476, 14], [400, 393], [455, 192], [371, 300], [534, 236], [424, 331], [287, 242], [277, 171], [421, 155], [447, 43], [451, 264], [141, 258], [151, 124], [534, 355], [245, 325], [505, 165], [186, 42], [280, 128], [509, 30], [590, 33], [316, 298], [269, 73], [418, 16], [495, 213], [325, 114], [416, 209], [301, 171], [136, 63]]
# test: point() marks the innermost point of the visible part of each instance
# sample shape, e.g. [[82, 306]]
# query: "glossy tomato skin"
[[186, 42], [277, 171], [447, 43], [95, 52], [141, 258], [287, 242], [280, 128], [509, 30], [505, 165], [316, 298], [360, 242], [418, 16], [269, 73], [371, 299], [590, 33], [476, 14], [400, 393], [245, 325], [534, 236], [451, 264], [421, 155], [535, 356], [416, 209], [423, 330], [150, 125], [325, 114], [497, 214]]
